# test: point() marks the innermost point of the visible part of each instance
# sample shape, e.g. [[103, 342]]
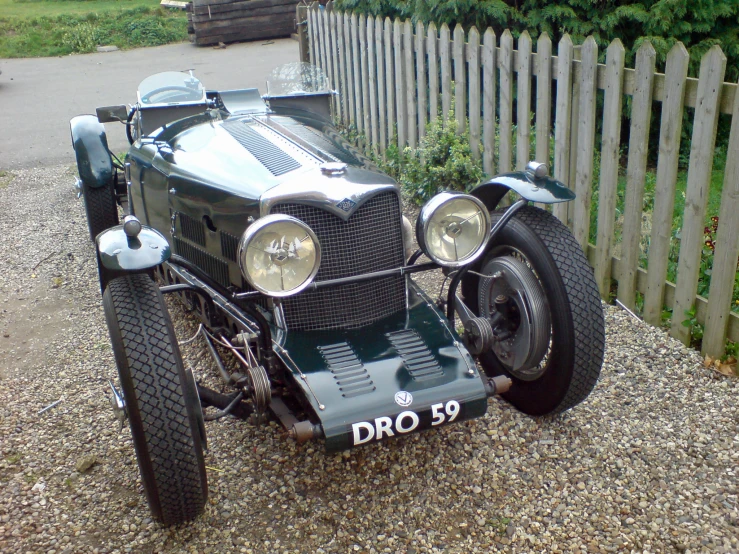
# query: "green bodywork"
[[196, 189], [455, 377], [91, 148], [119, 252], [544, 189]]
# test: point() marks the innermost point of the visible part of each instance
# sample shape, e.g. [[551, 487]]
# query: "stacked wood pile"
[[214, 21]]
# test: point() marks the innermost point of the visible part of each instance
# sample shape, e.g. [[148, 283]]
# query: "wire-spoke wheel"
[[548, 320]]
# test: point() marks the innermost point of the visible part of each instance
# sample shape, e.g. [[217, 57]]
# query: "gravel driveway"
[[650, 462]]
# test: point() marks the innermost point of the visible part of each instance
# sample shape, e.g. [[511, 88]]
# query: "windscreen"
[[297, 78], [171, 87]]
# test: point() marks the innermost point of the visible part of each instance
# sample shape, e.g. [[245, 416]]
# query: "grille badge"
[[346, 204]]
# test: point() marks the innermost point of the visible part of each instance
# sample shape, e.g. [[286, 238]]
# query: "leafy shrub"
[[151, 32], [442, 161], [699, 24]]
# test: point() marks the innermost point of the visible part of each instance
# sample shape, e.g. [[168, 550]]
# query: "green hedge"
[[699, 24]]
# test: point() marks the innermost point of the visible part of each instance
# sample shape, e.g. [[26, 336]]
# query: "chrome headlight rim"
[[428, 211], [259, 226]]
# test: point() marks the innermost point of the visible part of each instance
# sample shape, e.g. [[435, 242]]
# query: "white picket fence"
[[392, 77]]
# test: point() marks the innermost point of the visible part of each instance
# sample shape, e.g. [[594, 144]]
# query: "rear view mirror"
[[106, 114]]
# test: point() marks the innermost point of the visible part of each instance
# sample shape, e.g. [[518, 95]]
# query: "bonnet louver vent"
[[319, 141], [419, 361], [229, 246], [192, 229], [350, 374], [269, 155], [218, 269]]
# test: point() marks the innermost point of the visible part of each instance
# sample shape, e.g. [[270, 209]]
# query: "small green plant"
[[731, 351], [696, 328], [13, 458]]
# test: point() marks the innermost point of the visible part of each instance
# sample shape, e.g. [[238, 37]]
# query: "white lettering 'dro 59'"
[[405, 422]]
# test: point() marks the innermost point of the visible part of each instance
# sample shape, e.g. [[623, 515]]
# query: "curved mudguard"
[[544, 189], [119, 252], [90, 144]]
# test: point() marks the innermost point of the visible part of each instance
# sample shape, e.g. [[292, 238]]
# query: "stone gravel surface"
[[648, 463]]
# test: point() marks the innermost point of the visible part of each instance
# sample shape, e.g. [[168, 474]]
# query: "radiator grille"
[[217, 269], [371, 240], [192, 229], [269, 155]]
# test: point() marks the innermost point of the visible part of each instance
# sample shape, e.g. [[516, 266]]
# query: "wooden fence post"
[[636, 168], [488, 101], [350, 68], [301, 22], [322, 46], [410, 83], [608, 186], [473, 59], [562, 121], [381, 111], [505, 61], [523, 102], [676, 71], [460, 81], [372, 70], [392, 135], [421, 79], [313, 51], [727, 249], [705, 124], [343, 81], [357, 93], [432, 48], [335, 68], [585, 142], [364, 83], [400, 106], [543, 97], [446, 71]]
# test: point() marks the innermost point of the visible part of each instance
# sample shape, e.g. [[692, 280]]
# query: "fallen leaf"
[[726, 369]]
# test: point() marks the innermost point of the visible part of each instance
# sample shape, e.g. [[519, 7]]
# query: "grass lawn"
[[33, 28], [26, 9]]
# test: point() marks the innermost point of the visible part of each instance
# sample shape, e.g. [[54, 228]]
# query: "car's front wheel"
[[541, 298], [161, 404], [100, 208]]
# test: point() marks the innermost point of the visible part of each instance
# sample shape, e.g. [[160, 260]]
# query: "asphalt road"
[[38, 96]]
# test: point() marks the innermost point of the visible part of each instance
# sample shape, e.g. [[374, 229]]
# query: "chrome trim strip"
[[314, 188]]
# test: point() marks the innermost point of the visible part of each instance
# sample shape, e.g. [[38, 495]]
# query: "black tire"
[[573, 364], [100, 207], [159, 399]]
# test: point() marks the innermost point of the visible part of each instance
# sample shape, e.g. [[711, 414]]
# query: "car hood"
[[250, 154]]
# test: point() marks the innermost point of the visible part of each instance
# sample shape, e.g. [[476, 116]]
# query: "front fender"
[[542, 189], [90, 144], [119, 252]]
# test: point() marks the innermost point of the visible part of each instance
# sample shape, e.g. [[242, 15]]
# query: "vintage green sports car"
[[293, 249]]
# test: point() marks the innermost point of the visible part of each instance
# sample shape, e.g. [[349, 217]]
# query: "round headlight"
[[453, 229], [279, 255]]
